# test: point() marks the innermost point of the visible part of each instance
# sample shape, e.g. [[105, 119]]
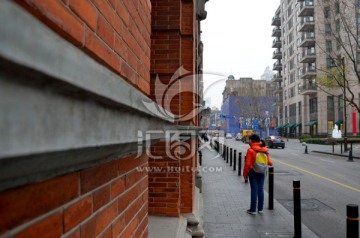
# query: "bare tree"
[[340, 25]]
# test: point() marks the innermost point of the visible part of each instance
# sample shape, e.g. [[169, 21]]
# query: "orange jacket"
[[251, 156]]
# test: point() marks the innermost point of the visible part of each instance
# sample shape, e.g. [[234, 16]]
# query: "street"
[[328, 184]]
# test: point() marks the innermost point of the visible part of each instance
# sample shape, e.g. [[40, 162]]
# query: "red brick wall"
[[110, 199], [173, 50], [115, 32]]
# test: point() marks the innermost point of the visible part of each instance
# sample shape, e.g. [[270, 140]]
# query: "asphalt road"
[[328, 184]]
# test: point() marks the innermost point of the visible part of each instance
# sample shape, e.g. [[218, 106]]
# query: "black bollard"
[[306, 150], [239, 168], [234, 168], [350, 159], [352, 221], [200, 157], [231, 156], [341, 149], [297, 208], [333, 147], [227, 154], [224, 149], [271, 188]]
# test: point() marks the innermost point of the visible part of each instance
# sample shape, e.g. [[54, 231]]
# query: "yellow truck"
[[245, 135]]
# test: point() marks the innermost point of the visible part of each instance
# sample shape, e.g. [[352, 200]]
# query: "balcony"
[[277, 54], [307, 24], [277, 77], [307, 8], [308, 39], [277, 65], [308, 56], [276, 21], [308, 89], [276, 32], [276, 43], [308, 72], [278, 89]]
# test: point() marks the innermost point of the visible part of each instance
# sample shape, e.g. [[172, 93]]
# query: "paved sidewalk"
[[226, 199]]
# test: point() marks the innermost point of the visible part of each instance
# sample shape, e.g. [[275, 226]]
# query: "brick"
[[56, 16], [106, 234], [105, 31], [101, 197], [131, 195], [117, 187], [130, 229], [95, 47], [74, 234], [123, 13], [22, 204], [77, 212], [86, 11], [109, 13], [121, 48], [94, 177], [133, 177], [99, 221], [143, 226], [118, 225], [48, 227]]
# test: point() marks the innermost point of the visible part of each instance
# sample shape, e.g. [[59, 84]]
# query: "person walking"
[[257, 180]]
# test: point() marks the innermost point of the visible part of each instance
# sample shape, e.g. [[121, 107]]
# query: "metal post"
[[227, 154], [306, 150], [239, 168], [297, 208], [200, 157], [341, 149], [234, 168], [271, 188], [231, 156], [224, 148], [352, 221], [333, 147], [350, 159]]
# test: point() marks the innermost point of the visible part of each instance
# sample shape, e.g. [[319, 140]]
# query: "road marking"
[[317, 175]]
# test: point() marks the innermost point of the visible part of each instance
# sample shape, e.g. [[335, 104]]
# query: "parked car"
[[238, 136], [228, 136], [274, 141]]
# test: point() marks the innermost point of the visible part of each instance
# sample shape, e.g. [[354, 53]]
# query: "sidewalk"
[[327, 149], [226, 199]]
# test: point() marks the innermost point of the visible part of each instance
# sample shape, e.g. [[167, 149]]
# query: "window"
[[330, 63], [327, 29], [338, 44], [337, 8], [292, 110], [328, 46], [313, 105], [330, 103], [337, 25], [327, 13]]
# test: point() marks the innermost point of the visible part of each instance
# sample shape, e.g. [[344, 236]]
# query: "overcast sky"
[[237, 40]]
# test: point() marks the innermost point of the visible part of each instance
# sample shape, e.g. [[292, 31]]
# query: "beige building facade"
[[311, 50]]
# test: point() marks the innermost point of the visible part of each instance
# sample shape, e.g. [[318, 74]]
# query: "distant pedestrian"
[[257, 180]]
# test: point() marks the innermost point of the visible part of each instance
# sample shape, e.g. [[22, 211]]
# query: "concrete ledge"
[[169, 227]]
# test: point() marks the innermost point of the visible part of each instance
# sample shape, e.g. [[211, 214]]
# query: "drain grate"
[[306, 205]]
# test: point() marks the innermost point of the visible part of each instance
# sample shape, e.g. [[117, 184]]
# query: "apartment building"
[[314, 55]]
